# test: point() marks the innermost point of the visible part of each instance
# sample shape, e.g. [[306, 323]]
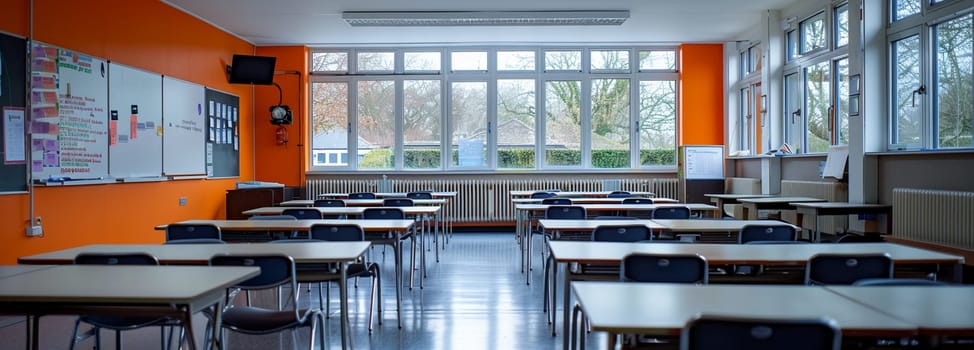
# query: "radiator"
[[935, 216], [829, 191], [487, 200]]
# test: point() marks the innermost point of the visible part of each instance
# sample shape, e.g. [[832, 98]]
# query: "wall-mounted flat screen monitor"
[[258, 70]]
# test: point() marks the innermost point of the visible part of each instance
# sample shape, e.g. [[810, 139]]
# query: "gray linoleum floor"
[[474, 298]]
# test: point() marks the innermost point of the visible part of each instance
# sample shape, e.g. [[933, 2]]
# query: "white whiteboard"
[[69, 119], [703, 162], [134, 122], [183, 135]]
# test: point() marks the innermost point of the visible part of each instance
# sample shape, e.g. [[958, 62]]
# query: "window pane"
[[744, 64], [471, 60], [954, 113], [657, 60], [794, 127], [515, 123], [813, 33], [753, 59], [422, 61], [376, 61], [792, 42], [421, 124], [563, 60], [376, 124], [468, 117], [610, 123], [906, 128], [744, 122], [905, 8], [329, 62], [818, 98], [329, 119], [563, 123], [515, 60], [610, 60], [842, 115], [657, 123], [842, 25]]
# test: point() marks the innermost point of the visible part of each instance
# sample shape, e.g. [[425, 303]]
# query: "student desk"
[[444, 196], [567, 252], [936, 311], [200, 254], [13, 270], [523, 221], [127, 290], [663, 309], [528, 193], [751, 206], [719, 199], [591, 200], [726, 228], [819, 209], [436, 194], [359, 202]]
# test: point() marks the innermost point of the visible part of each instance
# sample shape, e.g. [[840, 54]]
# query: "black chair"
[[614, 217], [898, 282], [351, 233], [556, 201], [197, 241], [542, 195], [303, 213], [419, 195], [671, 212], [361, 195], [176, 232], [782, 232], [273, 234], [397, 202], [664, 268], [732, 333], [846, 269], [637, 200], [621, 233], [118, 323], [383, 214], [275, 271], [328, 203], [619, 194]]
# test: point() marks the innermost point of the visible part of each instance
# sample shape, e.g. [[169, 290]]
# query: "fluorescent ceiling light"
[[484, 18]]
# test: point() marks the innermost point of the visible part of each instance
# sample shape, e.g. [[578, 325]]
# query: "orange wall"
[[283, 163], [153, 36], [701, 94]]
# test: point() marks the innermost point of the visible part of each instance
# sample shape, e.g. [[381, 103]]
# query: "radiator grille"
[[935, 216], [487, 200]]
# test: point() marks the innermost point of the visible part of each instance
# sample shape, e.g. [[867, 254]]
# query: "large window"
[[483, 108], [931, 75]]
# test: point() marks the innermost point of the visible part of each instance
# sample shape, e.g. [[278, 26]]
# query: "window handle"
[[920, 91], [831, 118], [796, 114]]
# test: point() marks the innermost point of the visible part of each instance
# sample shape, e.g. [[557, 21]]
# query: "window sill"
[[964, 151]]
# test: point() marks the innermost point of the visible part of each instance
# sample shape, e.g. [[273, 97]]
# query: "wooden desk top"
[[415, 210], [935, 310], [121, 284], [200, 254], [291, 225], [528, 193], [735, 195], [587, 225], [770, 200], [591, 200], [620, 206], [663, 309], [753, 254], [714, 225], [438, 194], [842, 205]]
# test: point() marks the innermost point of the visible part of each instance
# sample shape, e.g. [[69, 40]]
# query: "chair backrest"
[[777, 242], [637, 200], [557, 201], [176, 232], [767, 233], [845, 269], [197, 241], [542, 195], [733, 333], [419, 195], [272, 217], [340, 232], [565, 212], [383, 213], [361, 195], [329, 203], [675, 212], [898, 282], [614, 217], [115, 259], [275, 270], [397, 202], [684, 268], [619, 194], [621, 233], [303, 213], [855, 238]]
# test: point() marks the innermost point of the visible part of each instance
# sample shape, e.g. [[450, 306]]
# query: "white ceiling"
[[319, 22]]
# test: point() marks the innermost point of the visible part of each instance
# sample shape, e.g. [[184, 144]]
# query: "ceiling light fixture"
[[484, 18]]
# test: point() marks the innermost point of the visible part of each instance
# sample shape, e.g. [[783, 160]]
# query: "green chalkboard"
[[13, 99]]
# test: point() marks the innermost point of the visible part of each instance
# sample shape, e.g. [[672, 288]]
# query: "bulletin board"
[[134, 122], [222, 134], [13, 99]]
